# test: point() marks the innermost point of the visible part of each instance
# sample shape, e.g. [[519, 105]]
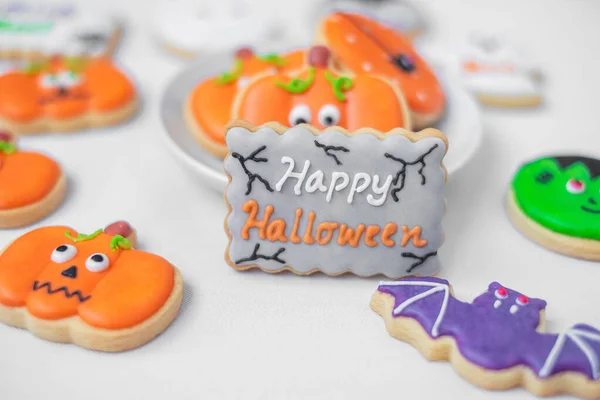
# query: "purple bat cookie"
[[498, 330]]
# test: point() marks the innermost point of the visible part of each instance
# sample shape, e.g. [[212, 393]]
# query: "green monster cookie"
[[556, 202]]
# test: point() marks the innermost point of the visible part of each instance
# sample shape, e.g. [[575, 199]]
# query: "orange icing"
[[388, 231], [211, 102], [372, 231], [26, 178], [133, 287], [364, 45], [98, 87], [414, 234], [329, 229], [371, 102]]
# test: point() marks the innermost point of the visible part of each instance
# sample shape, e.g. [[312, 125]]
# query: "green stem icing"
[[298, 85], [340, 85], [274, 59], [7, 147], [83, 237], [229, 77], [76, 64], [119, 242], [25, 27], [35, 67]]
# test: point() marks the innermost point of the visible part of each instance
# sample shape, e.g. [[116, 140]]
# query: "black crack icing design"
[[327, 150], [251, 176], [68, 295], [255, 256], [420, 260], [401, 175]]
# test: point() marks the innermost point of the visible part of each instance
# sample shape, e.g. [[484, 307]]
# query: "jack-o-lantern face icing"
[[28, 181], [210, 102], [363, 45], [61, 90], [319, 96], [54, 273]]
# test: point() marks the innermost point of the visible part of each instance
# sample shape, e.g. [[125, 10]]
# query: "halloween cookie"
[[316, 94], [555, 201], [95, 290], [189, 28], [32, 185], [496, 342], [363, 45], [32, 29], [497, 74], [209, 105], [65, 94], [335, 201]]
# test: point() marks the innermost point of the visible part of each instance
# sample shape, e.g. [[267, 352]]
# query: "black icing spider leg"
[[252, 176], [255, 256]]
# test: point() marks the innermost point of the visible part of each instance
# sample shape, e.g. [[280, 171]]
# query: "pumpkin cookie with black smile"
[[95, 290]]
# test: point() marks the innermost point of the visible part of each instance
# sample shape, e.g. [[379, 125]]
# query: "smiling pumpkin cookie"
[[93, 290], [555, 201], [65, 94]]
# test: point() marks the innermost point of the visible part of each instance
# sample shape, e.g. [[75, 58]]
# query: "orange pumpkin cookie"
[[65, 94], [208, 108], [32, 185], [95, 291], [317, 95], [362, 45]]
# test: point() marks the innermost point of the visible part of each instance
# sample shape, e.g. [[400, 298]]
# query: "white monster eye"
[[501, 293], [49, 81], [68, 79], [300, 115], [97, 262], [63, 253], [329, 115], [575, 186]]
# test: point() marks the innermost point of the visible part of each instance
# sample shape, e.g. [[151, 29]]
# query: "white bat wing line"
[[577, 336]]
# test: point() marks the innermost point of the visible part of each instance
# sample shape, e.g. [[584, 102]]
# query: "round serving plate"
[[461, 123]]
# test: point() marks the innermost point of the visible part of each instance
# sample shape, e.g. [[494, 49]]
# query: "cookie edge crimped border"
[[281, 129]]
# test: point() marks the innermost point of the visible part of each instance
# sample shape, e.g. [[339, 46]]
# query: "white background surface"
[[258, 336]]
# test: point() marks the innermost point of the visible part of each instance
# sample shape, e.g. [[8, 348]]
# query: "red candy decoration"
[[523, 300], [501, 292]]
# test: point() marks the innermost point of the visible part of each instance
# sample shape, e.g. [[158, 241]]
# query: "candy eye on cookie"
[[300, 114], [575, 186], [63, 253], [329, 115], [521, 301], [97, 262]]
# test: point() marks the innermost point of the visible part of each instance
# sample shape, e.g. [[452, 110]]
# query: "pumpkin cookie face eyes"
[[329, 115], [64, 79], [300, 114], [97, 262], [63, 253]]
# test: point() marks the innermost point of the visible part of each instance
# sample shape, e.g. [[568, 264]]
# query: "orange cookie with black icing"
[[65, 94], [95, 290], [319, 95], [362, 45], [208, 107], [32, 185]]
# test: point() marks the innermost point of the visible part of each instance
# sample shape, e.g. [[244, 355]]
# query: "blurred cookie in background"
[[34, 29], [189, 28], [498, 73]]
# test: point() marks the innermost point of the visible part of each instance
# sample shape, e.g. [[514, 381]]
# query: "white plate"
[[461, 124]]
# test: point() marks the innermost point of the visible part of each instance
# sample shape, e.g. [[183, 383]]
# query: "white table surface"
[[258, 336]]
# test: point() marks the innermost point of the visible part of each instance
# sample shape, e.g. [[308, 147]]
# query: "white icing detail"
[[367, 67], [514, 308], [97, 266], [499, 296], [574, 188], [335, 176], [435, 288], [68, 79], [242, 82], [63, 256], [48, 81], [358, 188], [497, 303], [519, 302], [315, 182], [382, 190], [576, 336], [290, 174], [329, 111], [350, 38], [299, 112]]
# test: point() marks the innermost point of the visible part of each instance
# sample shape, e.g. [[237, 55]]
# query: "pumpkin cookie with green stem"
[[96, 290], [555, 201], [318, 95], [32, 185], [208, 108]]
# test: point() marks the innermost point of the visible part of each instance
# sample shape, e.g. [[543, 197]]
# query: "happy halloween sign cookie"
[[334, 201]]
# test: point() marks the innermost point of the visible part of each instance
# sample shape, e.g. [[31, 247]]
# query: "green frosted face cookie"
[[561, 194]]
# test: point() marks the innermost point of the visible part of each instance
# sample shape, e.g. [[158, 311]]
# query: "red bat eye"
[[522, 300], [575, 186], [501, 293]]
